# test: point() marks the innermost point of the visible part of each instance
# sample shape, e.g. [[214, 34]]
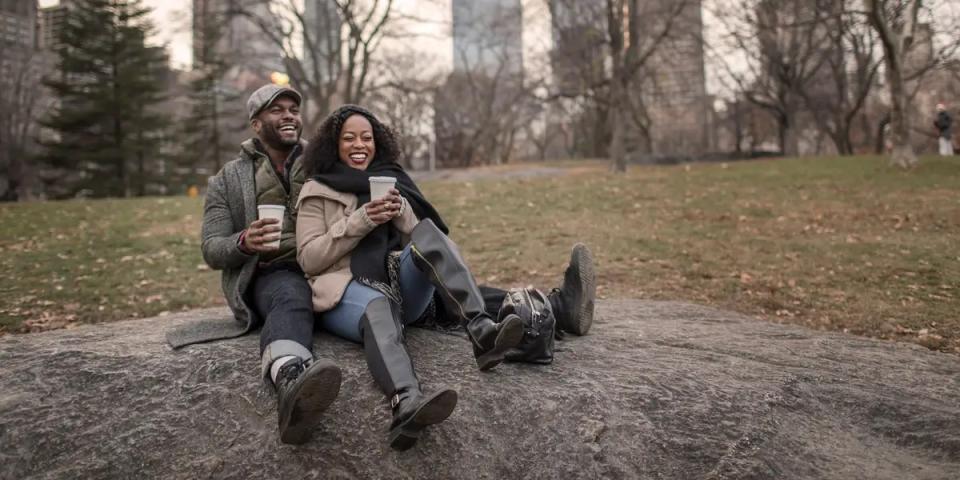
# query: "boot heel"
[[432, 410], [509, 334], [402, 439]]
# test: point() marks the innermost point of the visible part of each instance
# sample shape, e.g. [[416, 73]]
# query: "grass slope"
[[831, 243]]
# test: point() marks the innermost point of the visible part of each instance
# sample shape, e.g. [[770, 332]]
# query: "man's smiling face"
[[279, 125]]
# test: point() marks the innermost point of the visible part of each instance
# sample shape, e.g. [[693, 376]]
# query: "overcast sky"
[[172, 21], [431, 39]]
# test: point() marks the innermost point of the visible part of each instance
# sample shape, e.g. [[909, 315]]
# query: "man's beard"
[[273, 139]]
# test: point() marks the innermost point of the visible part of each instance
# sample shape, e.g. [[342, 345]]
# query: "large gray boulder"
[[657, 390]]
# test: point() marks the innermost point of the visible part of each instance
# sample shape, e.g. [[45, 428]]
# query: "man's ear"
[[255, 124]]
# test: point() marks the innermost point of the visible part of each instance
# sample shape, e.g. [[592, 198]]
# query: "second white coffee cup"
[[272, 211], [380, 186]]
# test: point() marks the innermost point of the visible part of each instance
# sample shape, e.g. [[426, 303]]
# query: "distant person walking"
[[944, 124]]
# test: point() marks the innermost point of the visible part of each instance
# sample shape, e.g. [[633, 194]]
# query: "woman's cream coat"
[[329, 227]]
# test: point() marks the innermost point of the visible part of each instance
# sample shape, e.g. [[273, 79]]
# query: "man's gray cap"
[[266, 94]]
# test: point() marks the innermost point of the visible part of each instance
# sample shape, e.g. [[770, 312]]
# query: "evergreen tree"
[[208, 133], [107, 86]]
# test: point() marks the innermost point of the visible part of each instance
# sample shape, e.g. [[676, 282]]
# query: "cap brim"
[[279, 93]]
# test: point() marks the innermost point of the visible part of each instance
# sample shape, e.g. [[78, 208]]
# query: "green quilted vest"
[[270, 191]]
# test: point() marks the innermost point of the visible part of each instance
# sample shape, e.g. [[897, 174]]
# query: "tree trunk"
[[881, 137], [896, 42], [783, 128], [618, 154], [903, 155], [841, 140]]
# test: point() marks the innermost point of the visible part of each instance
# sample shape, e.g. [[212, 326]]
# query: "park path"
[[514, 170]]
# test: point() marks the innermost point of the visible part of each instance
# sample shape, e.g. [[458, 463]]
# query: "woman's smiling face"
[[357, 147]]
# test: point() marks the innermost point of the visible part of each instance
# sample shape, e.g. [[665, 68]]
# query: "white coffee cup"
[[380, 186], [272, 211]]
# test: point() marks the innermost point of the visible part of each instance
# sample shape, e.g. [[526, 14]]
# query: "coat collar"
[[313, 188]]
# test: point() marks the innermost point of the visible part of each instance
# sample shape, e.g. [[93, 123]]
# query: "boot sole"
[[435, 409], [509, 336], [314, 395], [588, 289]]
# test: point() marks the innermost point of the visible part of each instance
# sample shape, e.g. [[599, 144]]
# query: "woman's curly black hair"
[[323, 152]]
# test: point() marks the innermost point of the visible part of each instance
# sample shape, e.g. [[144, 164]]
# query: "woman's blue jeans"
[[415, 292]]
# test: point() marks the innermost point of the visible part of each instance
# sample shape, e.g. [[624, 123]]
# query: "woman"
[[374, 265]]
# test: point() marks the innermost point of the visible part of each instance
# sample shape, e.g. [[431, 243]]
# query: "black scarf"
[[369, 260]]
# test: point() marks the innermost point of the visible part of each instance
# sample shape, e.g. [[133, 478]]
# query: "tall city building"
[[675, 81], [321, 37], [18, 24], [52, 20], [486, 80], [19, 77], [220, 32], [579, 31], [488, 36], [800, 55], [672, 82]]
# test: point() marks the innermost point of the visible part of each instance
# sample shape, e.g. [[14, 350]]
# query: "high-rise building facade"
[[19, 77], [51, 23], [321, 38], [18, 24], [488, 36], [671, 83], [579, 42], [487, 79], [675, 81], [220, 32]]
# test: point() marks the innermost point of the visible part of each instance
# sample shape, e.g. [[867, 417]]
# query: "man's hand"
[[260, 233], [384, 209]]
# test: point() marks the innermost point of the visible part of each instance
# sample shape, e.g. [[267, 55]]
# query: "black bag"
[[532, 306]]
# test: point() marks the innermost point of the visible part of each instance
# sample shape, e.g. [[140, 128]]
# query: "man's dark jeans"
[[282, 297]]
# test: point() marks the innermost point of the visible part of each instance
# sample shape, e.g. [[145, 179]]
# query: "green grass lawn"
[[830, 243]]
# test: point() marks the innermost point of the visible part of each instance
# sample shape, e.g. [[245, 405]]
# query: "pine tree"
[[107, 85]]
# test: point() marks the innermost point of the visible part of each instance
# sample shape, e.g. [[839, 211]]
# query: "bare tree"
[[896, 26], [404, 99], [19, 102], [851, 70], [483, 104], [327, 55], [786, 45], [478, 113], [636, 31], [576, 96]]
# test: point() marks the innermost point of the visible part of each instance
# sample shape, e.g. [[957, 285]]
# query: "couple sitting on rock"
[[361, 268]]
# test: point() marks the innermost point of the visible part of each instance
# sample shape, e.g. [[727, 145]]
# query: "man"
[[944, 125], [263, 283], [265, 286]]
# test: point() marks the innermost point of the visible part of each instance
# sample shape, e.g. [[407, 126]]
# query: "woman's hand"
[[393, 196], [384, 209]]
